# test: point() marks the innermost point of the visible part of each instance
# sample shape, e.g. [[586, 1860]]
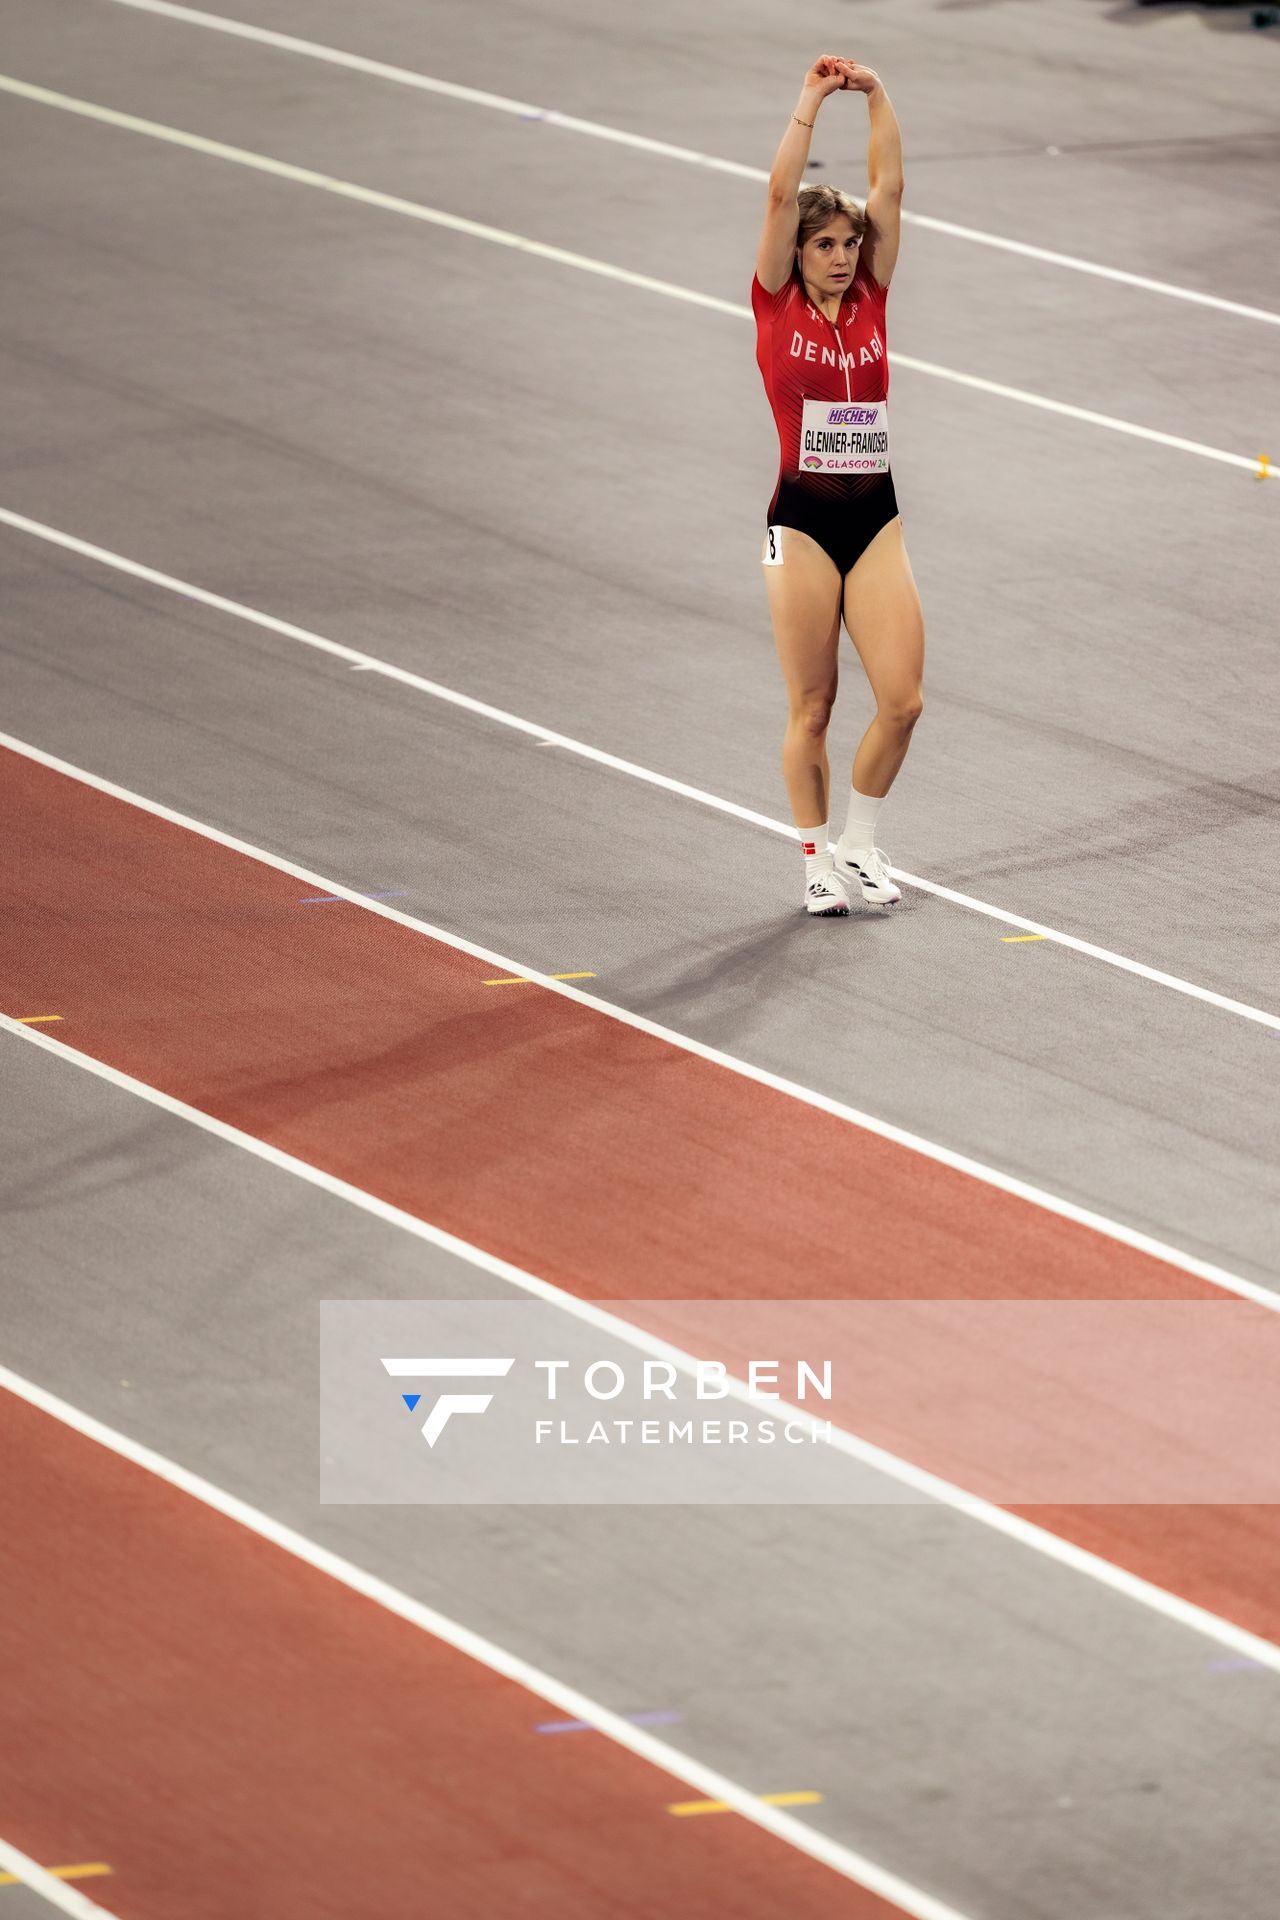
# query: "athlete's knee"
[[813, 712], [900, 712]]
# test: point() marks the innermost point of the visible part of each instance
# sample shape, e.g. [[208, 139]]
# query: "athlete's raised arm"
[[884, 173], [776, 256]]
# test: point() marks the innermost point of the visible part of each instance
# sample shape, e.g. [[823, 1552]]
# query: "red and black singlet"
[[827, 383]]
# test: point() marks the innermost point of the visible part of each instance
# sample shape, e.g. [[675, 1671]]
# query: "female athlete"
[[834, 541]]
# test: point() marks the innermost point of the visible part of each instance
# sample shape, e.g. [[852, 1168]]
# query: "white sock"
[[817, 853], [860, 826]]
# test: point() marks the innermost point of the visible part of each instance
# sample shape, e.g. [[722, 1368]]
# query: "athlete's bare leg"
[[804, 604], [883, 614]]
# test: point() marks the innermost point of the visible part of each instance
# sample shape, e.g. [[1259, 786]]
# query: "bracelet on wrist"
[[801, 123]]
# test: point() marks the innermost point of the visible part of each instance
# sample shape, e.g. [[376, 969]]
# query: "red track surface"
[[242, 1738], [596, 1156]]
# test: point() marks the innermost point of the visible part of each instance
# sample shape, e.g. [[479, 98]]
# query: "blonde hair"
[[818, 207]]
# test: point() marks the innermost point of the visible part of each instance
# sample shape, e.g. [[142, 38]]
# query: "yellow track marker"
[[682, 1808], [518, 980], [1016, 939], [93, 1870], [35, 1019], [1264, 466]]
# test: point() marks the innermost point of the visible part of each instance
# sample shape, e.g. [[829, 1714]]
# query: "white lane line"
[[525, 110], [570, 1703], [546, 736], [990, 1176], [583, 263], [33, 1876], [1011, 1526]]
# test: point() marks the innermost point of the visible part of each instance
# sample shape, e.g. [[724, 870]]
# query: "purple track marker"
[[659, 1717], [330, 899]]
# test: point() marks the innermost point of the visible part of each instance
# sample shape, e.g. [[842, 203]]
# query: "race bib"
[[844, 436]]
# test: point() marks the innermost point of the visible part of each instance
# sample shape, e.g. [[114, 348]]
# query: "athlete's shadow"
[[750, 969], [1226, 15]]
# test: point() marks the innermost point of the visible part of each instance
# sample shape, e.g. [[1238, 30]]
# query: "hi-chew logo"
[[431, 1368], [852, 417]]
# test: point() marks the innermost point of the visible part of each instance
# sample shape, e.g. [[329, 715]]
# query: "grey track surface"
[[21, 1904], [392, 434]]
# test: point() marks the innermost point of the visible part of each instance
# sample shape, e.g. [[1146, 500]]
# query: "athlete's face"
[[829, 257]]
